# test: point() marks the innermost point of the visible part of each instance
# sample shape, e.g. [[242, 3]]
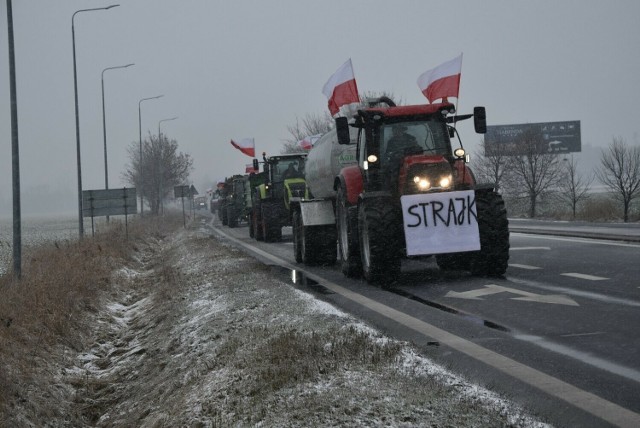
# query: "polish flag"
[[341, 88], [248, 169], [442, 81], [246, 146], [308, 142]]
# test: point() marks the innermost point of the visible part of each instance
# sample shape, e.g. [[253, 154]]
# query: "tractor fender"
[[350, 179], [464, 177]]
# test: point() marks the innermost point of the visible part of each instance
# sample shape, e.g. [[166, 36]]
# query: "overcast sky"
[[233, 69]]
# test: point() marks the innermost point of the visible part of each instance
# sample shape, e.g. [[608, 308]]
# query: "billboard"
[[107, 202], [548, 137]]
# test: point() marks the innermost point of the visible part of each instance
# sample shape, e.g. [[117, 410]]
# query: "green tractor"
[[238, 200], [282, 179]]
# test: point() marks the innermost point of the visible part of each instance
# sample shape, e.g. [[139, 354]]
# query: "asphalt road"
[[558, 333]]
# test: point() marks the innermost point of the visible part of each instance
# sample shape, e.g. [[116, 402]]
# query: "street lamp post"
[[75, 88], [141, 168], [161, 165], [104, 126]]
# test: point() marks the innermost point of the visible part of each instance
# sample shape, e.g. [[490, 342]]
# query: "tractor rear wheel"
[[225, 216], [378, 224], [271, 227], [256, 222], [232, 216], [493, 257], [297, 236]]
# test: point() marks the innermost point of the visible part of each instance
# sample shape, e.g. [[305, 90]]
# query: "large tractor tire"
[[493, 257], [379, 229], [347, 229], [256, 222], [297, 235], [232, 216], [252, 233], [220, 208], [271, 226], [225, 215]]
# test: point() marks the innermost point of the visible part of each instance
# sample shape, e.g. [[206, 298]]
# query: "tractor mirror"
[[480, 120], [256, 166], [342, 129]]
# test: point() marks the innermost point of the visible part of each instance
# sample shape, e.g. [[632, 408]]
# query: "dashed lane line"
[[584, 276], [529, 248], [528, 267], [586, 401]]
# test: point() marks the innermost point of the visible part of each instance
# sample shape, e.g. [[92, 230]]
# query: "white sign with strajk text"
[[437, 223]]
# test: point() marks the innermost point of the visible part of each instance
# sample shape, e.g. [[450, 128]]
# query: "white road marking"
[[529, 248], [528, 267], [584, 276], [573, 292], [595, 333], [489, 289], [585, 357], [580, 240]]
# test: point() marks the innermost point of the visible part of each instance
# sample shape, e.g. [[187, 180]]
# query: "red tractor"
[[405, 193]]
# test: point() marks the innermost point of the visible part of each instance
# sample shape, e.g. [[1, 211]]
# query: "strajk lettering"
[[460, 211]]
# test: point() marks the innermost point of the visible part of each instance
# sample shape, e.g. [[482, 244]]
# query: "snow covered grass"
[[174, 328]]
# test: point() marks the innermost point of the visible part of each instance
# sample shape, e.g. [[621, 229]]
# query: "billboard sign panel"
[[551, 137], [107, 202]]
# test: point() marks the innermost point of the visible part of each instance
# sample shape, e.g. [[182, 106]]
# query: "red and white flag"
[[341, 88], [442, 81], [246, 146], [308, 142], [248, 169]]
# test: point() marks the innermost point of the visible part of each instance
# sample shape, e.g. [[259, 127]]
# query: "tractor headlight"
[[459, 152], [422, 182], [445, 181]]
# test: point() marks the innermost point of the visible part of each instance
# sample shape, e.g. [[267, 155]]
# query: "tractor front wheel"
[[493, 257], [378, 224]]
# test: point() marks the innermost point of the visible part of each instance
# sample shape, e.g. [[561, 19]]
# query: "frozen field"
[[37, 230]]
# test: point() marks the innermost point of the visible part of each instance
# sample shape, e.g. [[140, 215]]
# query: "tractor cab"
[[408, 149]]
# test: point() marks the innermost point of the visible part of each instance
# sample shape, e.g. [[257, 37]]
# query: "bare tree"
[[491, 167], [163, 167], [620, 171], [310, 124], [533, 170], [315, 124], [574, 187]]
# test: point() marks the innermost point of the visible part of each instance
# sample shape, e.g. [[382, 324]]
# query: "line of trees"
[[532, 172]]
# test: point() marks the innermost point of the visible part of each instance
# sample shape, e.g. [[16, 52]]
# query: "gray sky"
[[233, 69]]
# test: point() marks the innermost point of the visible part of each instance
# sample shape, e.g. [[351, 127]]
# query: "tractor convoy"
[[383, 186]]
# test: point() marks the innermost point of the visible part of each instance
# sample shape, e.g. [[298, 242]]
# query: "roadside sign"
[[181, 191], [108, 202]]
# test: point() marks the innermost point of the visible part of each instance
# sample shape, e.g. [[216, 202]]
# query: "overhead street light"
[[104, 125], [75, 89], [164, 120], [141, 168]]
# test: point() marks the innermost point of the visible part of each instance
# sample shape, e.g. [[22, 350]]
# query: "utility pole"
[[15, 158]]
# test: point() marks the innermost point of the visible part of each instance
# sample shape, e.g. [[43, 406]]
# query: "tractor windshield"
[[401, 139], [289, 168]]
